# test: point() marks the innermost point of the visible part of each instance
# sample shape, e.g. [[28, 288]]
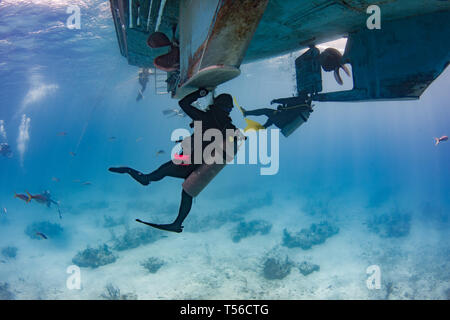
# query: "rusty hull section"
[[230, 33]]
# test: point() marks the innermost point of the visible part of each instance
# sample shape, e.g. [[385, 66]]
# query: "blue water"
[[347, 164]]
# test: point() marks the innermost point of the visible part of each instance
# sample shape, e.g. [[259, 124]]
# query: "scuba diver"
[[289, 115], [143, 80], [5, 150], [216, 117]]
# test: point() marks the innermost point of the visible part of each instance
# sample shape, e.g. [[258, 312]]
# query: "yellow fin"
[[252, 125], [237, 104]]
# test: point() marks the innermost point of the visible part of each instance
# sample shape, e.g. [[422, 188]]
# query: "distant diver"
[[45, 198], [441, 139], [331, 60], [170, 113], [5, 150], [144, 74], [289, 115], [196, 176]]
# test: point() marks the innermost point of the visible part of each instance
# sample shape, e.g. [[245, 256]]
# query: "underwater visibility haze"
[[357, 206]]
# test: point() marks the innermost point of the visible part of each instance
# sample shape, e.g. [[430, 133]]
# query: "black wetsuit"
[[282, 116], [215, 118]]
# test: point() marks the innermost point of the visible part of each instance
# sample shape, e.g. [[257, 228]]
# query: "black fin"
[[166, 227]]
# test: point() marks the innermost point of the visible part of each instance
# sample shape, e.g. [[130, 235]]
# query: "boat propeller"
[[331, 60], [170, 61], [158, 40]]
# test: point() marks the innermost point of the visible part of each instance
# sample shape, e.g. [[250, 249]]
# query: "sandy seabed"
[[209, 265]]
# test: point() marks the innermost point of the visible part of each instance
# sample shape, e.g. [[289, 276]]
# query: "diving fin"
[[253, 125], [166, 227], [237, 104]]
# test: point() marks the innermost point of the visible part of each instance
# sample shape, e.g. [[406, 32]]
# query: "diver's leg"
[[268, 123], [139, 96], [170, 169], [259, 112], [136, 175], [185, 208]]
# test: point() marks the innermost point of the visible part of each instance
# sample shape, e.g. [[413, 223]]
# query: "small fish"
[[62, 133], [73, 154], [40, 234], [441, 139], [4, 210], [55, 179], [160, 152], [112, 138], [22, 197], [87, 183]]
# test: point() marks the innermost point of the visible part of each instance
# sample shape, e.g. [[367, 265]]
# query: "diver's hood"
[[224, 101]]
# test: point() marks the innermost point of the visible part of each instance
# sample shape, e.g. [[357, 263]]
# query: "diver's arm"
[[191, 111], [260, 112]]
